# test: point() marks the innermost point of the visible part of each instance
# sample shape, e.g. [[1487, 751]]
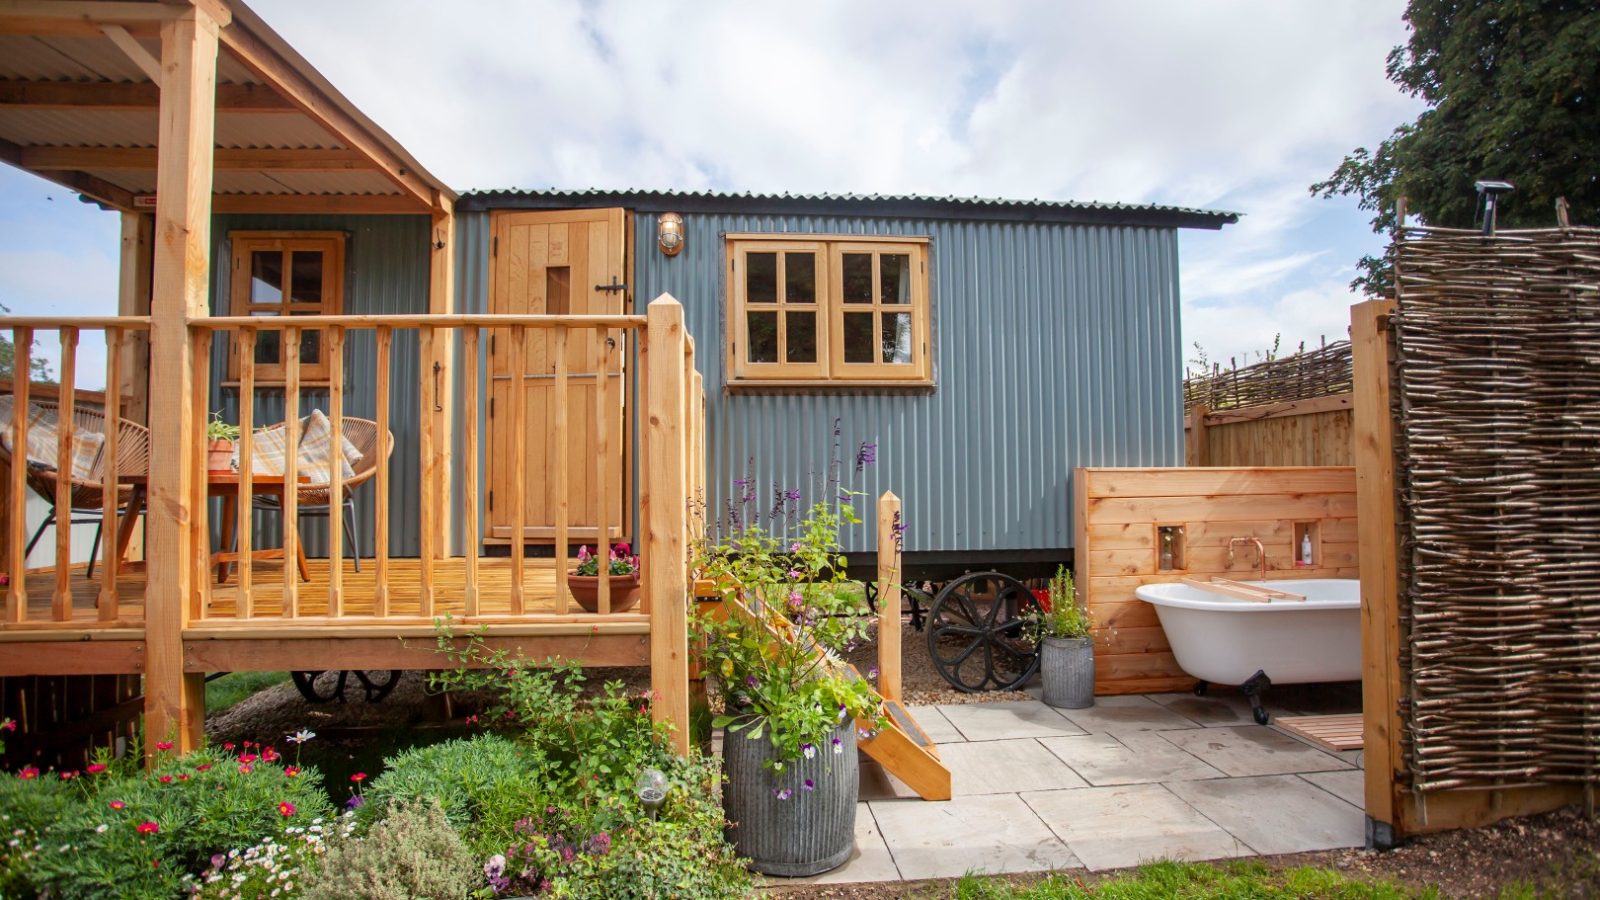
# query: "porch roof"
[[79, 105]]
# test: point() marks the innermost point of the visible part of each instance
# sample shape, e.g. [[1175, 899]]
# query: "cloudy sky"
[[1229, 105]]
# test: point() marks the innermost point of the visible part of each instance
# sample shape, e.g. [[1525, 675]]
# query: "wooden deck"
[[359, 588]]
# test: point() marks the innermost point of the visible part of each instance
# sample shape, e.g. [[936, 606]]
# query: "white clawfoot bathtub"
[[1225, 640]]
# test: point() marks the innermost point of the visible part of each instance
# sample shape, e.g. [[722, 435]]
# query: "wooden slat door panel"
[[549, 263]]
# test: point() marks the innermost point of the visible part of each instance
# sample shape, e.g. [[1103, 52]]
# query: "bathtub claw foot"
[[1200, 687], [1252, 689]]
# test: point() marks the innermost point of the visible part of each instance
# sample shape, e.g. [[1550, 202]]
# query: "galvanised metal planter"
[[811, 831], [1067, 666]]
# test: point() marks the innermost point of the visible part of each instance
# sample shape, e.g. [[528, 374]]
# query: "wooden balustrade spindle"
[[291, 472], [66, 429], [16, 539], [380, 541], [469, 465], [563, 463], [428, 538], [602, 457], [111, 454], [199, 499], [336, 463], [244, 508], [518, 461]]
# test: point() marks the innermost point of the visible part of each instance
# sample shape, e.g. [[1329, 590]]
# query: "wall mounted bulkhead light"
[[669, 233]]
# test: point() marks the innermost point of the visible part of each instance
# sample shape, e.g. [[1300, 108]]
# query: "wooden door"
[[558, 263]]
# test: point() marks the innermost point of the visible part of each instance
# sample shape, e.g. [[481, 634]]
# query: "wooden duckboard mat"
[[1337, 733]]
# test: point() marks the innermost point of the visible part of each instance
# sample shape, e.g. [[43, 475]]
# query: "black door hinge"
[[491, 407]]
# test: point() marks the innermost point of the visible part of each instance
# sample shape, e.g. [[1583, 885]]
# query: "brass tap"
[[1261, 552]]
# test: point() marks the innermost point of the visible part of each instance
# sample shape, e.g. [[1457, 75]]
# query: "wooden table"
[[226, 486]]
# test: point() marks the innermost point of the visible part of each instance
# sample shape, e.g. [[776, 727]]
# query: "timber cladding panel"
[[1314, 432], [1120, 513]]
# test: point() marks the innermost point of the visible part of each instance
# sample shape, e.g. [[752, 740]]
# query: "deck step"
[[1336, 732]]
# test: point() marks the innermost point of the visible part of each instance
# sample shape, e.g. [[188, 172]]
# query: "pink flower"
[[117, 804], [8, 725], [359, 777], [291, 771], [228, 745], [246, 768], [147, 828], [163, 745], [183, 776], [622, 548], [68, 776], [96, 768], [203, 767], [28, 773], [165, 779], [583, 553], [248, 757], [286, 809]]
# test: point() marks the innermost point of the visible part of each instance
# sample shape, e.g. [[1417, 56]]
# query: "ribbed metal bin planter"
[[1067, 666], [810, 832]]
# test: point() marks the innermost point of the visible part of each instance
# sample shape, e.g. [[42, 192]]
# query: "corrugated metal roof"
[[35, 58], [30, 127], [895, 205]]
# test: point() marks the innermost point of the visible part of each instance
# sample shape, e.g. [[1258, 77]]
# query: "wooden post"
[[243, 504], [666, 574], [17, 525], [133, 299], [334, 348], [175, 701], [441, 301], [469, 462], [519, 462], [1380, 621], [380, 540], [110, 557], [1198, 451], [428, 541], [61, 606], [889, 555], [563, 485], [290, 503]]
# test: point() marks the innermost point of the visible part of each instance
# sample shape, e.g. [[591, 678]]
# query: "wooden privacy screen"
[[1312, 432], [1123, 516]]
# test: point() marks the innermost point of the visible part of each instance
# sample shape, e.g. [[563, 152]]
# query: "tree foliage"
[[1513, 93], [8, 358]]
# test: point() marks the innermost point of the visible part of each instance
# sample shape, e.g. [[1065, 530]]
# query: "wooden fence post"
[[666, 575], [1197, 452], [174, 701], [1380, 621], [889, 569]]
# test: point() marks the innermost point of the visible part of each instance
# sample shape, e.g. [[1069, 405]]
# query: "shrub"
[[132, 834], [482, 784], [411, 852], [29, 802]]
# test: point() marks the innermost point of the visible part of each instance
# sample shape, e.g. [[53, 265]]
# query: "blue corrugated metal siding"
[[386, 271], [1055, 346]]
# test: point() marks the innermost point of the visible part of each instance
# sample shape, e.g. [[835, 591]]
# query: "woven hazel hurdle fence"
[[1497, 404], [1306, 375]]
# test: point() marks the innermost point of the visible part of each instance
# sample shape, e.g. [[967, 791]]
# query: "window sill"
[[815, 386]]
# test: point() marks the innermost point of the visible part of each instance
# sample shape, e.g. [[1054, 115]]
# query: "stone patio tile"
[[1220, 707], [1253, 750], [935, 725], [993, 833], [869, 862], [1126, 713], [878, 784], [1005, 767], [1276, 813], [1351, 787], [1133, 757], [1114, 827], [1002, 721]]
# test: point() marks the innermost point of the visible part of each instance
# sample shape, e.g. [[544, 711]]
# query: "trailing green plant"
[[412, 851], [132, 833], [1068, 616], [619, 562], [218, 430]]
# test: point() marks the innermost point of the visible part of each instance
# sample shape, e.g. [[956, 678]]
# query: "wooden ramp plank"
[[1334, 732]]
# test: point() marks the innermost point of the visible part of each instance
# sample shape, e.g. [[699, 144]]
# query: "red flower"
[[183, 776], [203, 767], [286, 809], [291, 771], [359, 777], [270, 755], [96, 768], [117, 804], [68, 776], [28, 773], [228, 745], [165, 779], [249, 743], [246, 768], [472, 720], [163, 745], [8, 725], [147, 828], [248, 757]]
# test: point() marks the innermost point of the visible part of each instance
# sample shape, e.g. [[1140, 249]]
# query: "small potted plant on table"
[[1066, 650], [220, 442], [622, 570]]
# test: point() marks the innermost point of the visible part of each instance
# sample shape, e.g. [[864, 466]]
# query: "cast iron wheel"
[[976, 633], [317, 689]]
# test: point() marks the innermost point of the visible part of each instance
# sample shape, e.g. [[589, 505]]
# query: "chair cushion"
[[269, 450], [43, 438]]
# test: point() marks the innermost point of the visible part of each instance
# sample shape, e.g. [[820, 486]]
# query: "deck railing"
[[666, 409], [75, 414]]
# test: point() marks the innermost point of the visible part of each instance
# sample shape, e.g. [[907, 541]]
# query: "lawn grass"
[[227, 691], [1241, 880]]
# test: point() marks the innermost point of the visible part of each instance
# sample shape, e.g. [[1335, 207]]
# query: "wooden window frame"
[[830, 369], [242, 245]]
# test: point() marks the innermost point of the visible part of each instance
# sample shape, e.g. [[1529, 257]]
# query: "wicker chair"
[[314, 501], [133, 458]]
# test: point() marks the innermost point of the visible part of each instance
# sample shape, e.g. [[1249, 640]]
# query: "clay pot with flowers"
[[220, 443], [622, 571]]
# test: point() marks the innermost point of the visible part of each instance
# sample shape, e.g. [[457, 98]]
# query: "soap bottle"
[[1305, 549]]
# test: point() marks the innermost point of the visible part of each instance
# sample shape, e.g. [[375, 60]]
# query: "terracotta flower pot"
[[219, 456], [586, 590]]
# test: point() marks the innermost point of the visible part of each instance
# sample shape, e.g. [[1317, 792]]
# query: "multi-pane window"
[[834, 311], [287, 273]]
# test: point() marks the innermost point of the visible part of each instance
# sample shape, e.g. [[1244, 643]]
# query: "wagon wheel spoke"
[[306, 682], [378, 684]]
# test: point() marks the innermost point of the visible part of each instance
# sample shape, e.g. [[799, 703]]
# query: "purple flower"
[[782, 793], [838, 746], [794, 574], [794, 547], [751, 682], [583, 553], [355, 802], [808, 749], [792, 495], [599, 845], [866, 455], [495, 867], [872, 672], [810, 785], [795, 599]]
